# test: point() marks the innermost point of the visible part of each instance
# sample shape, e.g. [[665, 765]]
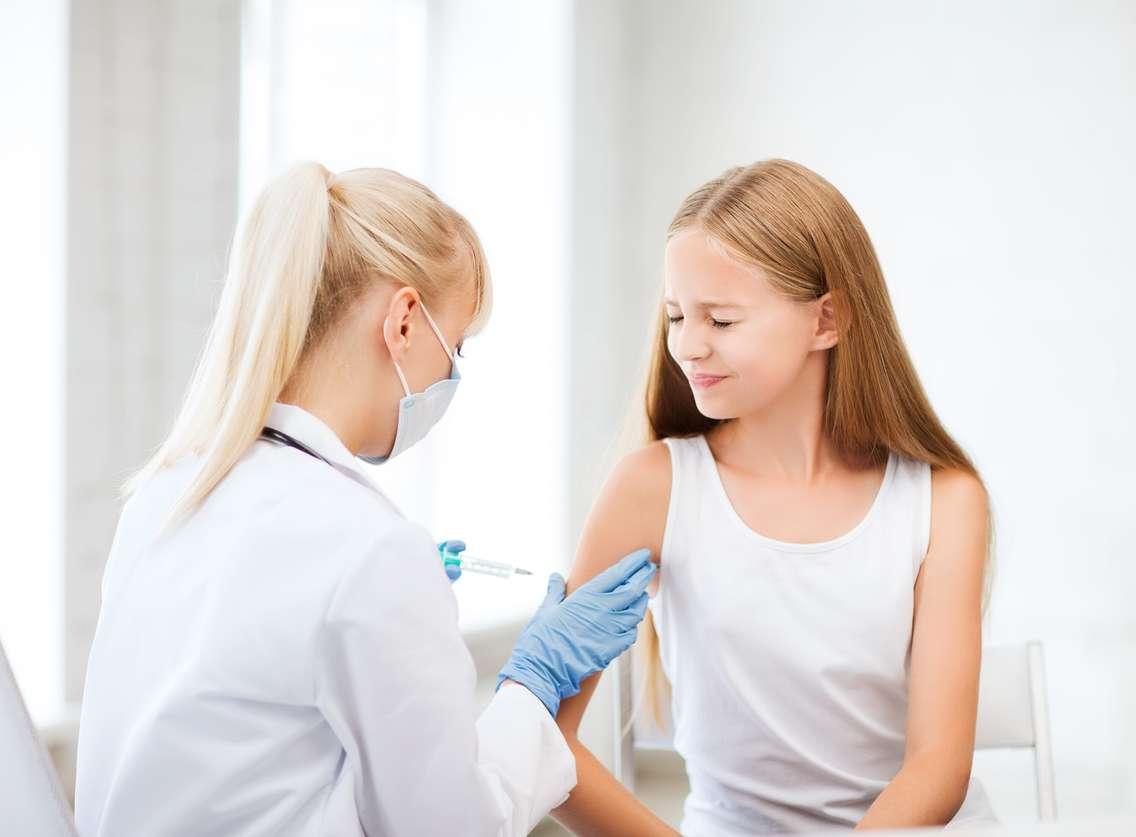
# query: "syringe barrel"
[[477, 565]]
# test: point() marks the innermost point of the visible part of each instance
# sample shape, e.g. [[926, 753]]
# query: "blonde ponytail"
[[310, 245]]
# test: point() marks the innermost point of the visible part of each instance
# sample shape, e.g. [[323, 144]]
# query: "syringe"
[[473, 564]]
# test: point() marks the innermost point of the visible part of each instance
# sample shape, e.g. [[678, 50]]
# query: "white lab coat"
[[288, 662]]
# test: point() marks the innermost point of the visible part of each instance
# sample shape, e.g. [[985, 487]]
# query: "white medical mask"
[[419, 412]]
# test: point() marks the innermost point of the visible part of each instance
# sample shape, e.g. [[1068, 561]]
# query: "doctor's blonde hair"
[[310, 246], [800, 230]]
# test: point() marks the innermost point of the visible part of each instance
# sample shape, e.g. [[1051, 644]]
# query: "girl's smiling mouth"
[[702, 381]]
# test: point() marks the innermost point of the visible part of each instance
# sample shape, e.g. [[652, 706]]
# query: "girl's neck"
[[786, 439]]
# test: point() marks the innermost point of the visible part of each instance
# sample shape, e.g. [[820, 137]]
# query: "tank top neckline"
[[747, 531]]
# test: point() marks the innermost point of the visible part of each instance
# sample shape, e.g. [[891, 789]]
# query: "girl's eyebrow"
[[706, 303]]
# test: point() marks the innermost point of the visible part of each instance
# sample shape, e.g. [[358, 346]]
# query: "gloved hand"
[[570, 639], [453, 571]]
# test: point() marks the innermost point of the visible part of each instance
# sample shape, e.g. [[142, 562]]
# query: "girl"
[[278, 650], [822, 539]]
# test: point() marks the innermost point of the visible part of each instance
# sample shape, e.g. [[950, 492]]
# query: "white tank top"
[[788, 662]]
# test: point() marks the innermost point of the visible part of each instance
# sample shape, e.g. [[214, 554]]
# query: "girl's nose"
[[689, 345]]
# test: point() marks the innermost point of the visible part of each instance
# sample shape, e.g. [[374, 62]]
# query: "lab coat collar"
[[311, 431]]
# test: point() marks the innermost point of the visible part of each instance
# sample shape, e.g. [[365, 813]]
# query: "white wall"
[[987, 148]]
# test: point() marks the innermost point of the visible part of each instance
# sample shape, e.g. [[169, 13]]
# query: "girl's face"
[[740, 342]]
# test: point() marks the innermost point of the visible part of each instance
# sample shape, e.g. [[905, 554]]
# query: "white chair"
[[1012, 713], [31, 801]]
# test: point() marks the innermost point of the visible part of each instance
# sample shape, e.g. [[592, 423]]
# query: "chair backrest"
[[31, 801], [1012, 713]]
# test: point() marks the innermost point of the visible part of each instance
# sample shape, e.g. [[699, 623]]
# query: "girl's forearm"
[[600, 805], [923, 793]]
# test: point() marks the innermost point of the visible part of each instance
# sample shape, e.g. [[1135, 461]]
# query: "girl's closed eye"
[[674, 319]]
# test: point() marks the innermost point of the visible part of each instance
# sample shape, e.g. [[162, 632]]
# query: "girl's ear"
[[397, 322], [827, 335]]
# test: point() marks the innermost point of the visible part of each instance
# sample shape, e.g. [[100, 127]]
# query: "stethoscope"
[[282, 438]]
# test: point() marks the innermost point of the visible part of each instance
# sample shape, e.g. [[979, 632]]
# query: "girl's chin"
[[713, 409]]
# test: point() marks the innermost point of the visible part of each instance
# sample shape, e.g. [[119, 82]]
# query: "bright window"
[[33, 42], [357, 83]]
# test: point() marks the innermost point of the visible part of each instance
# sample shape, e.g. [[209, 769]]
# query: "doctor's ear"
[[827, 333], [397, 324]]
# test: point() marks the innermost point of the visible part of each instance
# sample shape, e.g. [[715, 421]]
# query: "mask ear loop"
[[438, 332], [441, 339], [402, 379]]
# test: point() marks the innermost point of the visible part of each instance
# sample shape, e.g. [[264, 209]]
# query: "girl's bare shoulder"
[[630, 512], [958, 498], [644, 471], [960, 515]]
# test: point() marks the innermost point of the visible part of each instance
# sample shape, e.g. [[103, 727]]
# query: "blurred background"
[[987, 147]]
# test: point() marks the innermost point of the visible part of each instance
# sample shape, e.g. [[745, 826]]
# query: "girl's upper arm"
[[946, 649], [630, 513]]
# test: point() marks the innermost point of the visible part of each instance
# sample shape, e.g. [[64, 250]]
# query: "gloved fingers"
[[633, 614], [453, 547], [633, 587], [618, 572], [556, 588], [453, 572], [629, 636], [626, 639], [638, 608]]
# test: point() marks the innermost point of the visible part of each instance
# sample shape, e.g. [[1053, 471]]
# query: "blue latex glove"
[[570, 639], [453, 573]]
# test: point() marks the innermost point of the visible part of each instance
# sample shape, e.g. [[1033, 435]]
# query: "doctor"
[[278, 650]]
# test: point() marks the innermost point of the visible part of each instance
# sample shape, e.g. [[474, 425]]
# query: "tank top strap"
[[923, 529], [911, 503], [685, 454], [686, 509]]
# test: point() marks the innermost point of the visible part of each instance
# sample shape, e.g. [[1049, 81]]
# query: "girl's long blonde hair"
[[795, 225], [312, 243]]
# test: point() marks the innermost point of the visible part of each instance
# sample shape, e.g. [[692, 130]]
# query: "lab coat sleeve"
[[396, 683]]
